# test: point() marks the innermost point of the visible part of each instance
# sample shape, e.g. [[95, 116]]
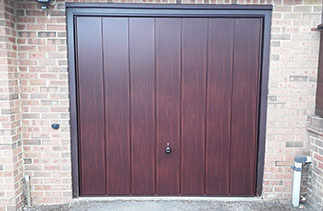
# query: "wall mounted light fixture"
[[46, 3]]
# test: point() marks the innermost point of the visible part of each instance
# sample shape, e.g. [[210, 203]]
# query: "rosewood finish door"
[[168, 106]]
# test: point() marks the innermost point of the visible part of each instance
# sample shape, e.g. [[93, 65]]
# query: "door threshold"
[[170, 198]]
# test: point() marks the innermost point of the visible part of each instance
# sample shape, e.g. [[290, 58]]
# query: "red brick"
[[318, 157]]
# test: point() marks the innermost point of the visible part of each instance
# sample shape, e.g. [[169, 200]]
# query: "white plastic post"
[[297, 184], [27, 190]]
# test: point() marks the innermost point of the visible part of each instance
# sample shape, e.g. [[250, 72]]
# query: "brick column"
[[11, 173], [315, 179]]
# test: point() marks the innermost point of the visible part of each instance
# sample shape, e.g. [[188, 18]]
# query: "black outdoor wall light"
[[46, 3]]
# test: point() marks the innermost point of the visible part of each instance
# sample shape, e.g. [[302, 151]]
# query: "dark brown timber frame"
[[319, 90], [156, 10]]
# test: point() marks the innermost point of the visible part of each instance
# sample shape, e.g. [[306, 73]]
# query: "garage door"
[[167, 106]]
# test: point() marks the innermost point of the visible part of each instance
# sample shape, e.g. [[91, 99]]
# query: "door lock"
[[168, 149]]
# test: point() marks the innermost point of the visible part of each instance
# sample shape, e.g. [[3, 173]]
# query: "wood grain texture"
[[244, 106], [91, 106], [168, 57], [146, 82], [218, 124], [194, 45], [142, 73], [117, 107]]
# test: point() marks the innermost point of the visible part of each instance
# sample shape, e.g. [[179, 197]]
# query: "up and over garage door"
[[168, 105]]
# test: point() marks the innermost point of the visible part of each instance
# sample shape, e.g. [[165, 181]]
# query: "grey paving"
[[171, 205]]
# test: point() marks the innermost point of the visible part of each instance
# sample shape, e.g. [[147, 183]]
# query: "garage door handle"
[[168, 149]]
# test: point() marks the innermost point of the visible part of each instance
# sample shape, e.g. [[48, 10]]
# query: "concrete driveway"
[[195, 204]]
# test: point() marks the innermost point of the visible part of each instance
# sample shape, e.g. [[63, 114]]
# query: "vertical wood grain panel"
[[91, 106], [168, 52], [142, 73], [244, 106], [204, 97], [116, 79], [194, 45], [220, 58]]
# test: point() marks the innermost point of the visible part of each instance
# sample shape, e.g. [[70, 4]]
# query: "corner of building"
[[11, 149]]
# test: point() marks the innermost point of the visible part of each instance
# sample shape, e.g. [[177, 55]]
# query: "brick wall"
[[44, 97], [11, 171], [315, 179], [292, 85], [44, 100]]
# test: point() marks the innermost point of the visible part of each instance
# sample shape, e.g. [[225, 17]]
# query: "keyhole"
[[168, 149]]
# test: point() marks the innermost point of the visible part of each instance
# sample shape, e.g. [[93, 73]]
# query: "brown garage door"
[[185, 85]]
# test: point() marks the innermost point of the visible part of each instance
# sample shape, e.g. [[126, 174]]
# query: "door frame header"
[[172, 6], [169, 10]]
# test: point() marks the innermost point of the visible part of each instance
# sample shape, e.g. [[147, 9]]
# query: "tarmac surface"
[[171, 205]]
